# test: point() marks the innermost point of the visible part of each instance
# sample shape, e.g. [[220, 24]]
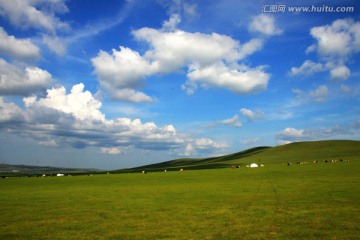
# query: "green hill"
[[293, 152]]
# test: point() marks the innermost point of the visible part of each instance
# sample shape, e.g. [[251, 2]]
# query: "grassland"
[[309, 201], [294, 152], [313, 201]]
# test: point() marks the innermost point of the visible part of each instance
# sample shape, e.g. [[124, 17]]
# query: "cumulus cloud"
[[335, 45], [129, 95], [211, 60], [79, 103], [203, 145], [21, 49], [240, 81], [75, 119], [307, 68], [264, 24], [290, 134], [250, 115], [320, 94], [40, 14], [122, 71], [340, 73], [17, 80], [337, 41], [9, 112]]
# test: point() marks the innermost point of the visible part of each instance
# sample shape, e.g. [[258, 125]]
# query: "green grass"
[[312, 201], [294, 152]]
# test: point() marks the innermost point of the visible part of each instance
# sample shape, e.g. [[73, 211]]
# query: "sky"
[[116, 84]]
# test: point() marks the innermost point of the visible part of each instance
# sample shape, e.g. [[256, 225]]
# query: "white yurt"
[[253, 165]]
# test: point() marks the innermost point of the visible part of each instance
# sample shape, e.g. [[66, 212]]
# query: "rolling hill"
[[293, 152]]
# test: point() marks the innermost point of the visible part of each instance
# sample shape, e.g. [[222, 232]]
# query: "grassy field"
[[294, 152], [310, 201]]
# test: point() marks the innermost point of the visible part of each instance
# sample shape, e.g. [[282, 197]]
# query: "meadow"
[[309, 201]]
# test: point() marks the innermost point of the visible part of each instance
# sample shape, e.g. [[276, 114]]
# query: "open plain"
[[301, 201]]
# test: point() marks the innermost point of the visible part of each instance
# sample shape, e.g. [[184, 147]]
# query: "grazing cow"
[[144, 172], [181, 170], [288, 163]]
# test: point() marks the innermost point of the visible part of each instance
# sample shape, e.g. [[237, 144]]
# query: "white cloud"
[[335, 45], [39, 14], [203, 145], [81, 104], [307, 68], [55, 44], [185, 9], [211, 60], [283, 142], [74, 119], [264, 24], [172, 23], [234, 121], [21, 49], [250, 115], [338, 40], [9, 112], [290, 134], [318, 95], [340, 73], [234, 79], [129, 95], [111, 150], [250, 47], [121, 71], [15, 80], [172, 50]]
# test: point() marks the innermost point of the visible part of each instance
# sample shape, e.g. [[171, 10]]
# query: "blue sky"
[[115, 84]]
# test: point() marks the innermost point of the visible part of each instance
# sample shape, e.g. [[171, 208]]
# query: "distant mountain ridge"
[[293, 152], [18, 170]]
